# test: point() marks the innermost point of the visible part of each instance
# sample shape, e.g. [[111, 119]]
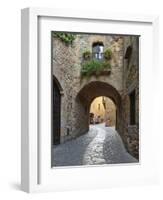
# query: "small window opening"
[[98, 50], [128, 52], [132, 107]]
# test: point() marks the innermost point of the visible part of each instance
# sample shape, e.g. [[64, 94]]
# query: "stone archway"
[[87, 94]]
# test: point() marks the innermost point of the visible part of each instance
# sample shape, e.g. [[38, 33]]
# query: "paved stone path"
[[101, 145]]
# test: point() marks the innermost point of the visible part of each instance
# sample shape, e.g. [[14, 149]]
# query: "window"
[[132, 108], [98, 50], [128, 52]]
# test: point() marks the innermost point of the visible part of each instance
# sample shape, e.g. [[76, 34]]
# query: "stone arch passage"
[[95, 89]]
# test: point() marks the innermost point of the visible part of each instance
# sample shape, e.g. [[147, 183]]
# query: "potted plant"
[[87, 55], [95, 67], [108, 54]]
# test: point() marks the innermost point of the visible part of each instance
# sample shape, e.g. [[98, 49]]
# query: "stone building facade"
[[131, 95], [110, 113], [77, 92]]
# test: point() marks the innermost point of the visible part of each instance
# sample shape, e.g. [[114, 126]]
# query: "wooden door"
[[56, 113]]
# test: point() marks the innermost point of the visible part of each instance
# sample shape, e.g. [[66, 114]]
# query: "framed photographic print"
[[86, 98]]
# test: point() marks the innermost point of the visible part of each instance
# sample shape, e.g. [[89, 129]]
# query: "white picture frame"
[[36, 172]]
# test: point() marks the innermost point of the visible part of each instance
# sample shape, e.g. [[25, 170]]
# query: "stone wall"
[[110, 115], [131, 83], [116, 45]]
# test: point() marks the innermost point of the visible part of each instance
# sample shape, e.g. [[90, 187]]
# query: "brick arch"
[[95, 89]]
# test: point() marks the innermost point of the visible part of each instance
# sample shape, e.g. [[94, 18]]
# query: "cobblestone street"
[[101, 145]]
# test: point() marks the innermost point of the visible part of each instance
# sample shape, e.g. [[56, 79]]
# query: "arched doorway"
[[96, 89], [103, 110], [56, 111]]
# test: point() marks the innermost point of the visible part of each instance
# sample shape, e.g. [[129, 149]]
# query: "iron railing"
[[98, 56]]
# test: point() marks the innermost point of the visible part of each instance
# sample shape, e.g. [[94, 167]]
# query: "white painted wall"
[[10, 97]]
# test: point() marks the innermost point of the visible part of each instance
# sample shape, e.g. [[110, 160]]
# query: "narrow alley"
[[101, 145]]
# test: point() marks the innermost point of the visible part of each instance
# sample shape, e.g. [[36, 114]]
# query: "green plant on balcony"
[[87, 55], [67, 38], [108, 54], [95, 67]]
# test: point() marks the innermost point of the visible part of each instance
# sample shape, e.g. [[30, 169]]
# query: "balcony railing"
[[96, 56], [95, 64]]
